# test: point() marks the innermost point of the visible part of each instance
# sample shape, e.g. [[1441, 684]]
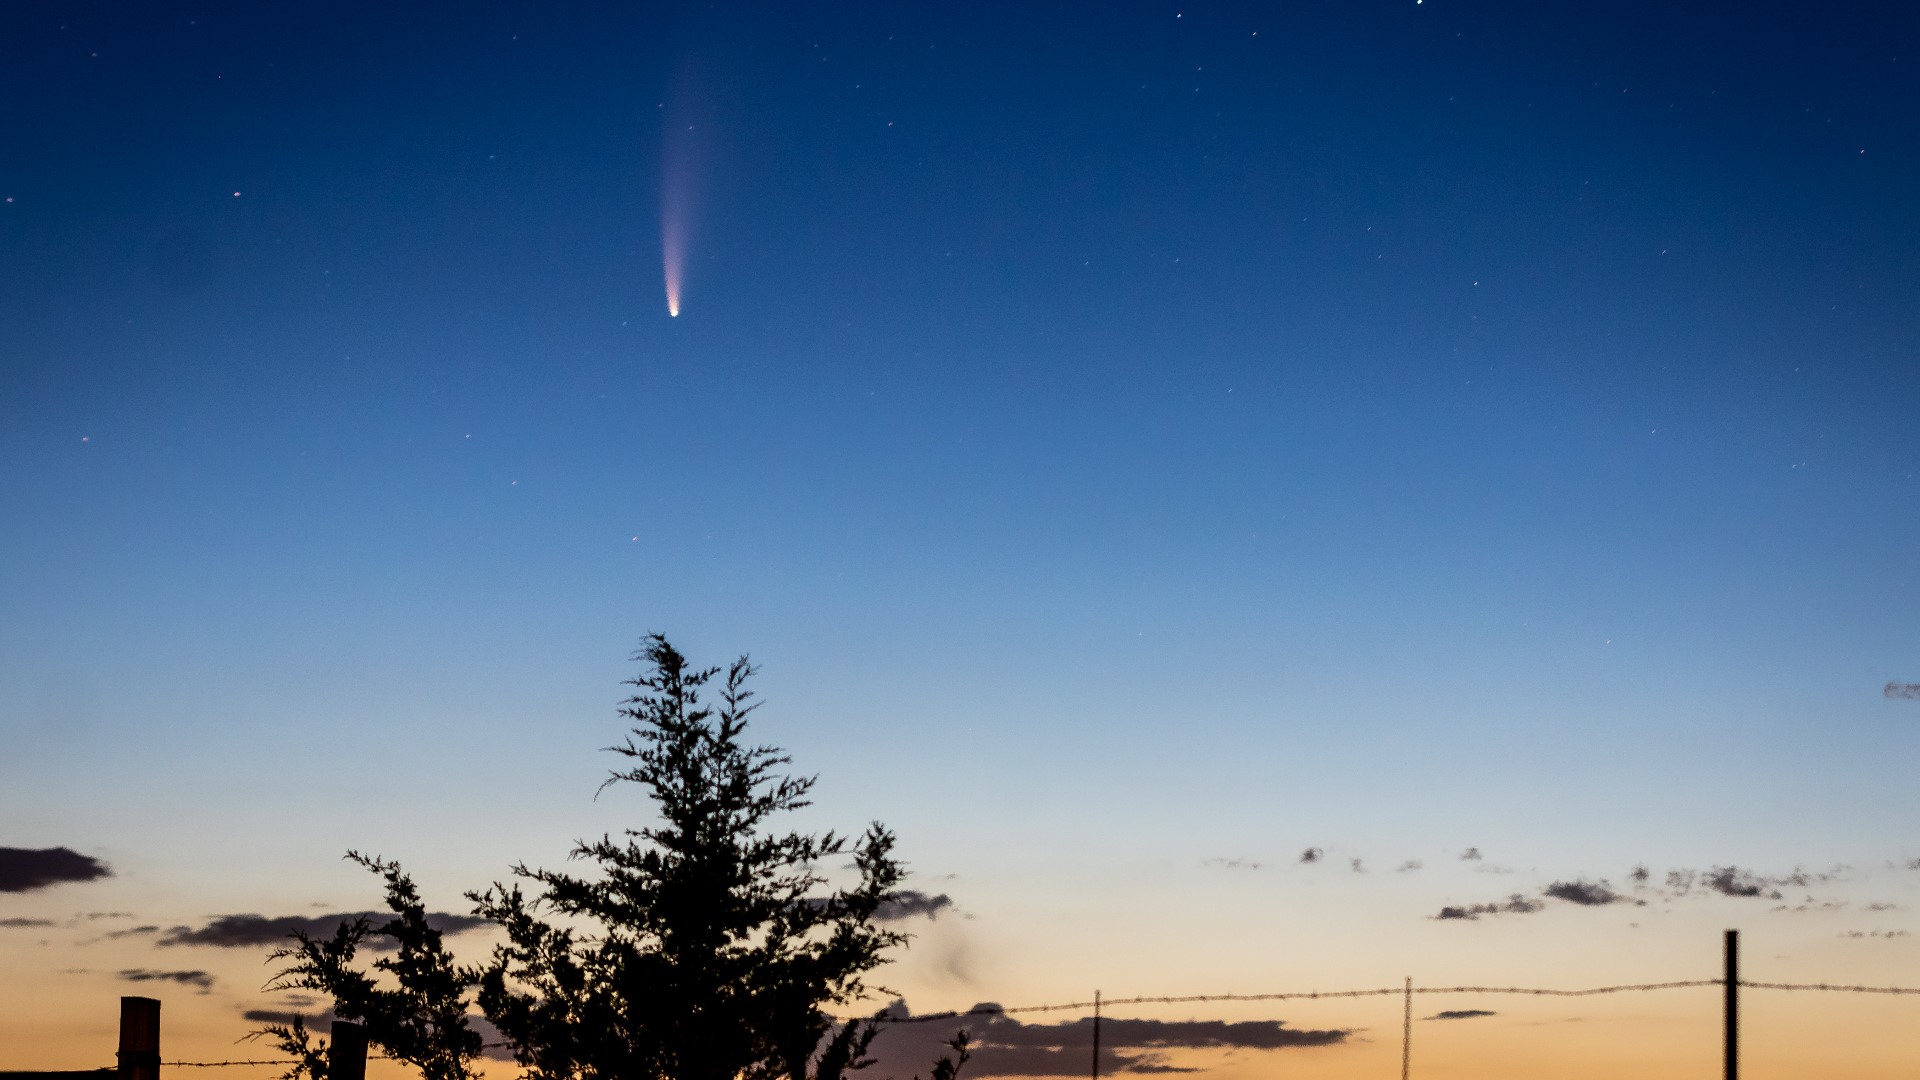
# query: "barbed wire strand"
[[1301, 995], [1833, 986], [1304, 995]]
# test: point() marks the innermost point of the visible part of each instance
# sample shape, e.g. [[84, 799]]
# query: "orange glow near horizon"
[[58, 1021]]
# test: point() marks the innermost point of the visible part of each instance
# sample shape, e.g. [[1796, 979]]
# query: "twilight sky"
[[1230, 484]]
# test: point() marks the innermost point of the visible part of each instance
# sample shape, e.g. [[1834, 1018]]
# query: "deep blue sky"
[[1212, 425]]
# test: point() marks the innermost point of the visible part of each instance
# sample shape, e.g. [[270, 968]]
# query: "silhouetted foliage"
[[704, 947], [309, 1059], [421, 1018]]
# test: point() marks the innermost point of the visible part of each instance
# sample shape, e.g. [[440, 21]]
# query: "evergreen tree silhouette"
[[704, 947]]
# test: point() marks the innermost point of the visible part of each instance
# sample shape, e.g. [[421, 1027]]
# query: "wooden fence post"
[[139, 1055], [347, 1052], [1731, 1068]]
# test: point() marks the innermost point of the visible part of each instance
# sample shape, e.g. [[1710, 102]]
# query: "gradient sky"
[[1141, 442]]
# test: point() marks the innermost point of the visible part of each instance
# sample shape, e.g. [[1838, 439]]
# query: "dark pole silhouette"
[[1732, 1071], [1406, 1032], [1096, 1035], [347, 1052], [139, 1054]]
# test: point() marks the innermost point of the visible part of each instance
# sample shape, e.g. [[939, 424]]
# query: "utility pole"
[[1732, 1071], [1406, 1032], [1096, 1035]]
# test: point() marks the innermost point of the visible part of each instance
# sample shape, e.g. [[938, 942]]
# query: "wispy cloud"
[[1740, 883], [1908, 691], [21, 924], [236, 931], [26, 869], [1512, 905], [1472, 854], [1811, 905], [199, 979]]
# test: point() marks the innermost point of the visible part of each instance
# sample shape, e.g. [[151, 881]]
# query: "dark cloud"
[[1004, 1046], [199, 979], [1730, 880], [1733, 881], [24, 869], [1512, 905], [1472, 854], [911, 903], [1312, 855], [312, 1021], [1583, 892], [20, 924], [1408, 867], [1460, 1014], [490, 1037], [1910, 691], [235, 931]]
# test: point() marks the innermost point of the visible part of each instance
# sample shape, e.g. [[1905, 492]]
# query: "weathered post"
[[347, 1052], [139, 1055], [1096, 1035], [1732, 1070]]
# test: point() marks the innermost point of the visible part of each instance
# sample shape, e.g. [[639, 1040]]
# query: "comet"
[[672, 258], [674, 214], [676, 209], [685, 114]]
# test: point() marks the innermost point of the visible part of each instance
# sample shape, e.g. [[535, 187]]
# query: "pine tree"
[[706, 946]]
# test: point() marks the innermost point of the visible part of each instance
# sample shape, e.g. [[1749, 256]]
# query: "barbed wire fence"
[[1301, 995], [1297, 995]]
